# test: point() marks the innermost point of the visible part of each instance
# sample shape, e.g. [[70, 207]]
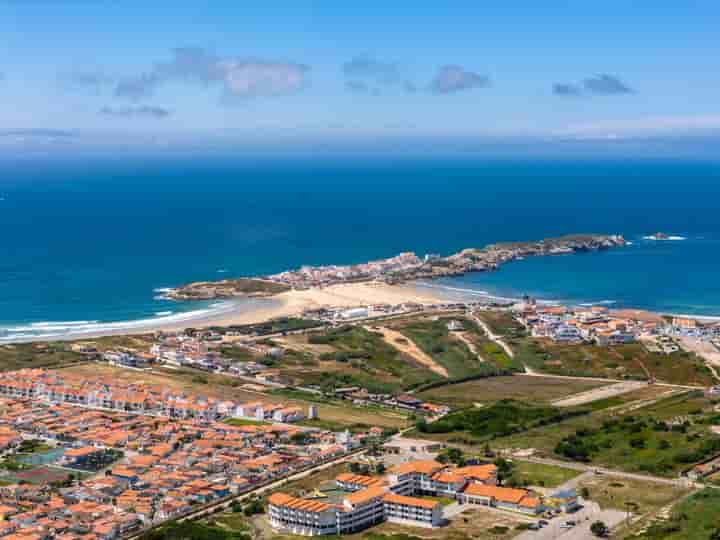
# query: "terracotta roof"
[[303, 505], [477, 472], [410, 501], [448, 477], [361, 480], [422, 467], [365, 495], [503, 494], [530, 502]]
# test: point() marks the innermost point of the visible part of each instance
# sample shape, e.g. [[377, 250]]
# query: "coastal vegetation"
[[630, 361], [36, 355], [694, 517], [227, 288], [500, 419], [518, 386], [451, 352]]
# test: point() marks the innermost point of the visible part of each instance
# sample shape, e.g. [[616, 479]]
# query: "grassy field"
[[538, 474], [694, 518], [662, 437], [502, 323], [499, 419], [631, 361], [644, 497], [32, 355], [339, 412], [521, 387], [433, 337]]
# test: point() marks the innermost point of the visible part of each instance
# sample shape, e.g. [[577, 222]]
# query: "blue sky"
[[338, 69]]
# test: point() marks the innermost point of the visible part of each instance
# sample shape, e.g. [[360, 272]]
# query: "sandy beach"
[[293, 303]]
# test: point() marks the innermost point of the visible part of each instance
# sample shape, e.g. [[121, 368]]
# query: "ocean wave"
[[79, 329], [163, 289], [600, 303], [665, 239]]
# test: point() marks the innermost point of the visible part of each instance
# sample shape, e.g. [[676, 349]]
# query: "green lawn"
[[538, 474]]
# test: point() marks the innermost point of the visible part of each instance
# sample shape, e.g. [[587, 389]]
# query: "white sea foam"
[[68, 329], [667, 238]]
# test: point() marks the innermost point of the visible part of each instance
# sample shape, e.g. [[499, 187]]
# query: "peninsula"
[[395, 270]]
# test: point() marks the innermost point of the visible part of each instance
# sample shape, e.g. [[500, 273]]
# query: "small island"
[[395, 270]]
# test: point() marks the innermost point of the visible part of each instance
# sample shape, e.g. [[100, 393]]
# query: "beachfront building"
[[412, 510], [398, 497]]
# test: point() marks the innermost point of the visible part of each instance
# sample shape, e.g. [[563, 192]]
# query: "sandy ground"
[[407, 346], [704, 350], [341, 295], [600, 393]]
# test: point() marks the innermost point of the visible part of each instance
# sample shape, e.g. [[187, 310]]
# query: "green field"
[[372, 363], [502, 323], [694, 518], [434, 338], [631, 361], [525, 473], [36, 355], [499, 419], [520, 387]]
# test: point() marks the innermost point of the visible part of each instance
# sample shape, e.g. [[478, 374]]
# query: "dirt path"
[[603, 392], [407, 346], [462, 336], [492, 337]]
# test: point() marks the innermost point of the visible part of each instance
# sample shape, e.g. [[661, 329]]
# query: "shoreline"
[[239, 311], [287, 304]]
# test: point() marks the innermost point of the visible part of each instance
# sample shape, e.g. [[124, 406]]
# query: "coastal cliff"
[[401, 268]]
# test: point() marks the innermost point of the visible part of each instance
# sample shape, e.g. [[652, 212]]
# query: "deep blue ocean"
[[93, 239]]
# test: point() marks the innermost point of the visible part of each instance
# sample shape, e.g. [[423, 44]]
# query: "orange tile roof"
[[422, 467], [477, 472], [361, 480], [503, 494], [448, 477], [80, 452], [530, 502], [365, 495], [302, 505], [410, 501]]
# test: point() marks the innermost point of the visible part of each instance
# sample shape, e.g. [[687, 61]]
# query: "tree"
[[598, 528], [504, 469]]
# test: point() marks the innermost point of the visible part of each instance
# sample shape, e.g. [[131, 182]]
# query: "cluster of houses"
[[313, 276], [196, 351], [401, 496], [161, 469], [361, 396], [595, 324], [602, 326], [139, 398]]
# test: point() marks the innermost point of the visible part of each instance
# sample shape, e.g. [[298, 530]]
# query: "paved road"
[[584, 517]]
